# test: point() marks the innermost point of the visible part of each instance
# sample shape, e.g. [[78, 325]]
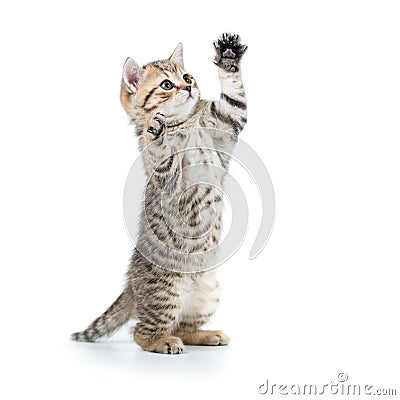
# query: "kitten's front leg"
[[160, 157], [156, 125], [230, 112]]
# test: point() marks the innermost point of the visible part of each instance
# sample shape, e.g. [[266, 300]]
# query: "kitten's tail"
[[116, 315]]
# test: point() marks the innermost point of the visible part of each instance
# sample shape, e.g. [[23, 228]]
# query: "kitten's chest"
[[200, 160]]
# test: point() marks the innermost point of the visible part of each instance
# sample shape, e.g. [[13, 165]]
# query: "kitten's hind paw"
[[163, 345], [157, 125], [229, 52]]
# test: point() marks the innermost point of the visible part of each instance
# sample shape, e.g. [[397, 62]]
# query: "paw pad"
[[229, 51]]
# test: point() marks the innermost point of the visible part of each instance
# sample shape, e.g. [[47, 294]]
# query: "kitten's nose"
[[188, 88]]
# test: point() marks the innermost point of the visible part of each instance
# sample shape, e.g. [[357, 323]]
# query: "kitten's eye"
[[166, 85], [186, 78]]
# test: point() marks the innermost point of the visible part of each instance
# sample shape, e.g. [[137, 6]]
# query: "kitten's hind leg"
[[158, 311], [160, 344], [200, 337], [204, 298]]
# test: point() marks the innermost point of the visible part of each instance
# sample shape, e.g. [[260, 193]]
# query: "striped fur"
[[116, 315], [170, 289]]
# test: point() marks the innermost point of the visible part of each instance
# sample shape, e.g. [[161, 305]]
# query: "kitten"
[[171, 285]]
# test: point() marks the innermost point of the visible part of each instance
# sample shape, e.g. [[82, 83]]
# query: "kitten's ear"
[[177, 55], [131, 74]]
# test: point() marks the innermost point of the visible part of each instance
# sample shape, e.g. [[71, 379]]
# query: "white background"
[[323, 84]]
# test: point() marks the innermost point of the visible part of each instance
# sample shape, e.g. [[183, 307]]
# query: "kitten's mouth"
[[183, 101]]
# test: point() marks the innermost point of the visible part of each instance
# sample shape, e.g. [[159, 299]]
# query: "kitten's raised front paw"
[[229, 51], [157, 125]]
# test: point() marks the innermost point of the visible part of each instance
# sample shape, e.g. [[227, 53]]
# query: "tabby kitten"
[[171, 286]]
